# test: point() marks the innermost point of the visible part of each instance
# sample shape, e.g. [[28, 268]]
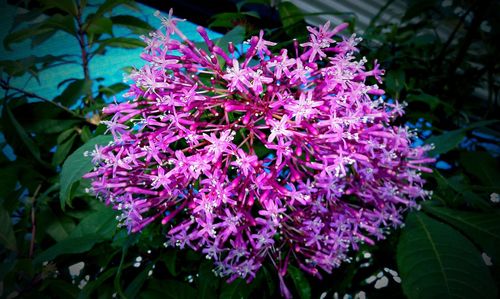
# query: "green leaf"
[[207, 282], [50, 126], [475, 201], [170, 258], [292, 19], [395, 82], [108, 6], [8, 179], [122, 42], [23, 34], [432, 101], [6, 267], [238, 289], [65, 135], [135, 24], [63, 150], [41, 38], [74, 91], [236, 36], [95, 228], [68, 6], [113, 89], [13, 125], [300, 281], [27, 16], [242, 3], [269, 277], [483, 166], [32, 64], [62, 288], [482, 228], [60, 227], [436, 261], [230, 19], [135, 286], [85, 134], [100, 223], [416, 8], [60, 22], [99, 26], [76, 165], [290, 14], [67, 246], [93, 285], [7, 237], [164, 289], [447, 141]]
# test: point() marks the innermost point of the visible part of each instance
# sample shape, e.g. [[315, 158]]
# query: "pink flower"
[[250, 162]]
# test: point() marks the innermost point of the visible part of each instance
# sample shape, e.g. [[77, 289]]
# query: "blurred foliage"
[[439, 58]]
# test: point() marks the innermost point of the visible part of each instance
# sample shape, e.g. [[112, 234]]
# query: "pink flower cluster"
[[285, 157]]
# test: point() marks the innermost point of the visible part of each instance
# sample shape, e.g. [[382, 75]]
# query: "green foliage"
[[7, 238], [46, 215], [76, 165], [482, 228], [436, 261], [300, 281]]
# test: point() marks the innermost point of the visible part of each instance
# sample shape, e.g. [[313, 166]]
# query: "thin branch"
[[80, 36], [33, 220], [442, 53], [5, 85]]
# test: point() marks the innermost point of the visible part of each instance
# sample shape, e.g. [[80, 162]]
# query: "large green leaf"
[[395, 82], [32, 64], [236, 36], [482, 228], [108, 6], [432, 101], [135, 286], [207, 282], [63, 288], [60, 22], [292, 19], [436, 261], [67, 246], [483, 166], [446, 142], [20, 35], [99, 26], [168, 289], [14, 127], [74, 91], [68, 6], [76, 165], [8, 179], [63, 150], [60, 227], [230, 19], [290, 14], [300, 281], [449, 140], [100, 223], [113, 89], [7, 237], [135, 24], [122, 42], [238, 289], [96, 227], [93, 285]]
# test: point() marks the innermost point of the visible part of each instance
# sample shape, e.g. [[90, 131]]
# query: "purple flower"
[[248, 163]]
